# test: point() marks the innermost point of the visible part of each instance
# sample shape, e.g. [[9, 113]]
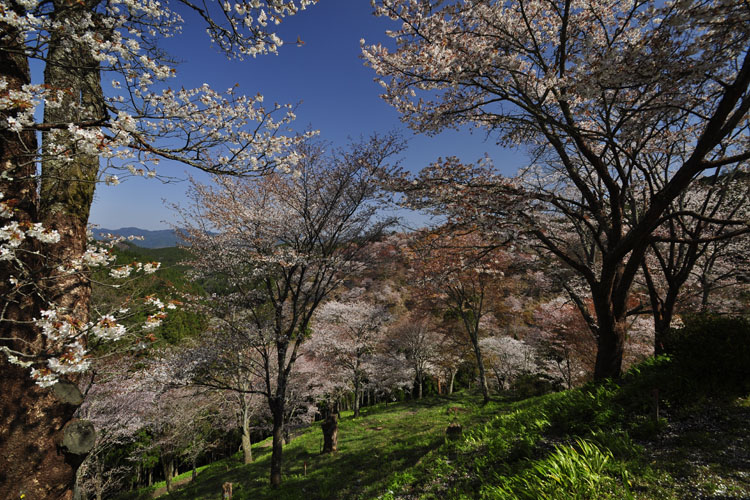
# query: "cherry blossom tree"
[[704, 222], [225, 361], [616, 102], [453, 352], [278, 245], [460, 273], [137, 396], [346, 335], [391, 372], [507, 358], [720, 277], [420, 344], [563, 338], [116, 404], [94, 128]]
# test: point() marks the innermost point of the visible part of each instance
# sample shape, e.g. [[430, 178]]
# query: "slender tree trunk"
[[452, 379], [168, 466], [480, 366], [499, 378], [247, 450], [356, 397], [705, 293], [663, 309], [277, 412], [662, 323]]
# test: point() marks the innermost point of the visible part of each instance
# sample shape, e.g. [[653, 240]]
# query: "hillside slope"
[[600, 441]]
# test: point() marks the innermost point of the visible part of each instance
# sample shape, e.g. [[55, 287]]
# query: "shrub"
[[714, 350], [531, 384]]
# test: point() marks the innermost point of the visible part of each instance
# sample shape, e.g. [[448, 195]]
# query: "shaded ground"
[[706, 451]]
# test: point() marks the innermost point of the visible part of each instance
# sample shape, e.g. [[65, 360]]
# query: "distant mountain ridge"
[[160, 238]]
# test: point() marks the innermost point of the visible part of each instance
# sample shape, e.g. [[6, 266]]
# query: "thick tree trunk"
[[611, 344], [330, 428], [32, 461], [31, 430]]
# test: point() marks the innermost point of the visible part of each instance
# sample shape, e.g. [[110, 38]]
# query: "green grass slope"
[[600, 441], [373, 450]]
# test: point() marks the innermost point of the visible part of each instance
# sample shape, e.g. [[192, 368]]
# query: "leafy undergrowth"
[[598, 442]]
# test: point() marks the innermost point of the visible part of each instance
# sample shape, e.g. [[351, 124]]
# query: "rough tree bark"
[[34, 460]]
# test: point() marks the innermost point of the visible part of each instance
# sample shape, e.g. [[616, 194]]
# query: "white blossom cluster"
[[125, 271], [64, 334], [215, 131], [14, 233]]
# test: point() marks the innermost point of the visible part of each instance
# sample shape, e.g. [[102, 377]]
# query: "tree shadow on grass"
[[372, 449]]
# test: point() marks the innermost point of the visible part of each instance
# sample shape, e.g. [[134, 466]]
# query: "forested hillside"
[[387, 352], [163, 238]]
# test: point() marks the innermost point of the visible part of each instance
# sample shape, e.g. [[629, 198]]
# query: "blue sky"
[[326, 76]]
